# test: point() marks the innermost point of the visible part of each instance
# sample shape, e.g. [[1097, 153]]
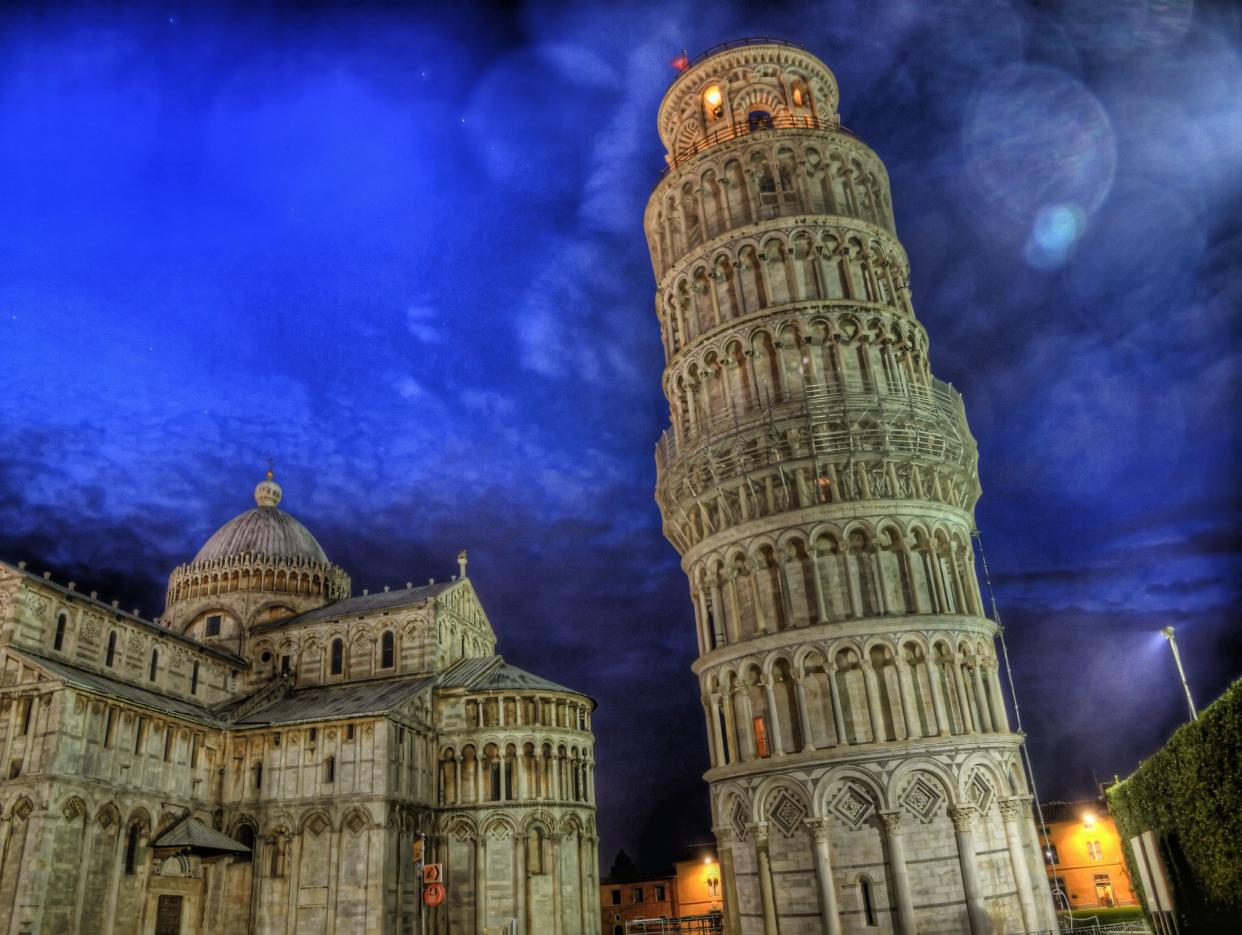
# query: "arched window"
[[329, 769], [194, 679], [867, 899], [338, 656], [131, 850], [245, 835], [61, 622], [111, 655], [258, 775], [386, 650], [155, 661]]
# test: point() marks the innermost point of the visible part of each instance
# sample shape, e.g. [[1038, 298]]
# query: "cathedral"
[[273, 753], [819, 484]]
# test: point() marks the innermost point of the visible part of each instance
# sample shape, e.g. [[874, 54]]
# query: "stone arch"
[[825, 797], [316, 821]]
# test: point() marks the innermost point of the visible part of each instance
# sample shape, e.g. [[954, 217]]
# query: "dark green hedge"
[[1190, 795]]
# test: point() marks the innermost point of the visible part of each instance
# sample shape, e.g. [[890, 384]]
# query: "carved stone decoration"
[[317, 824], [135, 643], [852, 805], [91, 625], [980, 793], [34, 603], [739, 817], [787, 813], [356, 822], [963, 817], [922, 799]]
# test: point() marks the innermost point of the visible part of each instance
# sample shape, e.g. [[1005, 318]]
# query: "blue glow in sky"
[[400, 251]]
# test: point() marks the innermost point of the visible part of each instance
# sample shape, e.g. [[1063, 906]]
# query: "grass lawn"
[[1116, 914]]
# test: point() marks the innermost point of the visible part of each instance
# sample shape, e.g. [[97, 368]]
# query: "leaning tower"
[[819, 484]]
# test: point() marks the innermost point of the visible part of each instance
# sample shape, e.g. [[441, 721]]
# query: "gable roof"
[[347, 699], [363, 604], [122, 691], [189, 832]]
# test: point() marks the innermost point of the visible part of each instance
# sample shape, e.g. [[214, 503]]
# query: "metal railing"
[[741, 44], [711, 924], [748, 128]]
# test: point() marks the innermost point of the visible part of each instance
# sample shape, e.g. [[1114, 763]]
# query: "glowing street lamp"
[[1167, 633]]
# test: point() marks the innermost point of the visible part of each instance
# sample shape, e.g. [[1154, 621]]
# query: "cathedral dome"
[[265, 531]]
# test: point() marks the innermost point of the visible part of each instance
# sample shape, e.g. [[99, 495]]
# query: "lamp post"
[[1167, 633]]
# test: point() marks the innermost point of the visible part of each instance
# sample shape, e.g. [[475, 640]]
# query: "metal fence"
[[710, 924]]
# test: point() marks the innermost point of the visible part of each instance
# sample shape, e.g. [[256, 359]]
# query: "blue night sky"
[[400, 251]]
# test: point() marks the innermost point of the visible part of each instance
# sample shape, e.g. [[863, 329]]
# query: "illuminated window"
[[1094, 851], [213, 625], [713, 102], [713, 887], [636, 895], [657, 893]]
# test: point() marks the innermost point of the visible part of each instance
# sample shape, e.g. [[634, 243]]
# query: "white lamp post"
[[1167, 633]]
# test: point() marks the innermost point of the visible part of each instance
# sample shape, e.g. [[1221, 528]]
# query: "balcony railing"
[[819, 403], [749, 128], [742, 43]]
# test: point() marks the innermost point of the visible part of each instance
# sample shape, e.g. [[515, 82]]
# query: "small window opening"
[[61, 622], [329, 769], [139, 730], [314, 734], [349, 732], [131, 851], [155, 662], [169, 737], [213, 625], [194, 679], [286, 665], [27, 709], [108, 728], [111, 654], [338, 657], [386, 650], [245, 836], [258, 775], [868, 901]]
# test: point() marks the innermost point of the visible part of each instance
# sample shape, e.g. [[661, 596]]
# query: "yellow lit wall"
[[699, 889], [1087, 851]]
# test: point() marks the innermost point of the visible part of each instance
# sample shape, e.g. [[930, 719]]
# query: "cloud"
[[423, 322]]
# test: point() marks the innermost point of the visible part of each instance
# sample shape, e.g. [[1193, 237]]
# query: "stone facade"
[[819, 484], [264, 756]]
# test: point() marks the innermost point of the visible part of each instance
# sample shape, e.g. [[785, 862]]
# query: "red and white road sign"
[[433, 894]]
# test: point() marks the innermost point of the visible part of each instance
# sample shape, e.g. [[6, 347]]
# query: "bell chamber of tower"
[[819, 484]]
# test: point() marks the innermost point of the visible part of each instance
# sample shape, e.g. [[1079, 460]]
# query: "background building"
[[263, 757], [820, 484], [688, 899], [1083, 855]]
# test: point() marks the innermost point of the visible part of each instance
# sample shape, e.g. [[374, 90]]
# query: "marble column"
[[480, 884], [963, 699], [963, 826], [730, 727], [800, 695], [519, 884], [829, 911], [718, 740], [908, 703], [767, 893], [981, 696], [999, 714], [1012, 811], [557, 913], [774, 727], [838, 714], [873, 700], [724, 847], [934, 668], [901, 876]]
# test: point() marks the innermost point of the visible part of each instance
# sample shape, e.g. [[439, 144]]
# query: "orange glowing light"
[[1088, 820], [712, 97]]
